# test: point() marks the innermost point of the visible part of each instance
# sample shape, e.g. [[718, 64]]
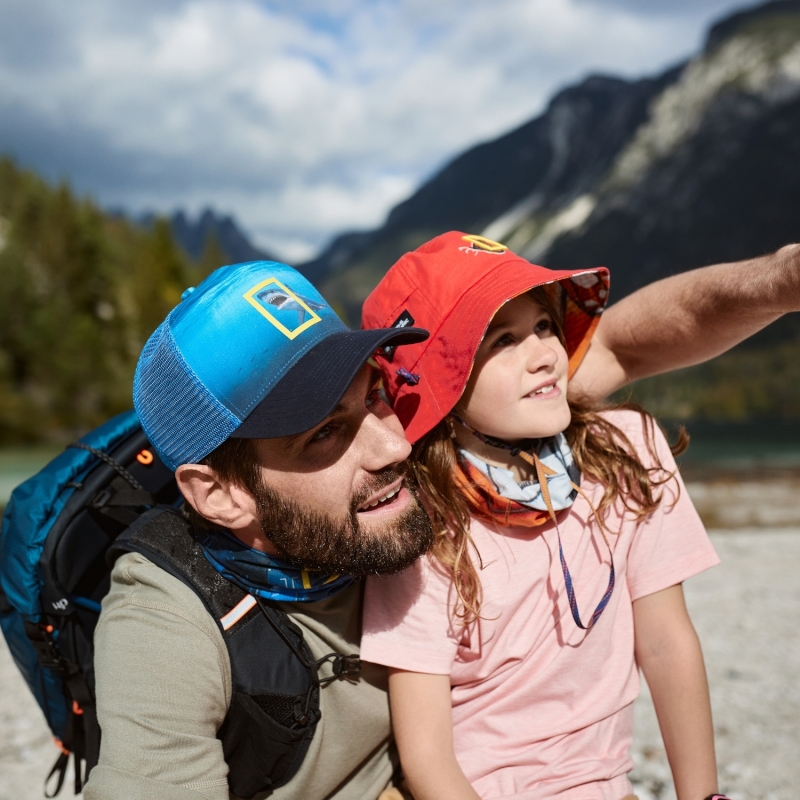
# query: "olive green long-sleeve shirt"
[[164, 687]]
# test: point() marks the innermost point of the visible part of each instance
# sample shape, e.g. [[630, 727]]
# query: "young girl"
[[563, 536]]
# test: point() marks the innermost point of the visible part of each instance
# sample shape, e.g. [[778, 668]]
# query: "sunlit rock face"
[[713, 174], [534, 183], [649, 177]]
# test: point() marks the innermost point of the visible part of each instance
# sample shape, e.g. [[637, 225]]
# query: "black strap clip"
[[60, 771], [44, 643], [343, 667]]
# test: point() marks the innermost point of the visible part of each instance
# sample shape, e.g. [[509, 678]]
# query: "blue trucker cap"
[[253, 352]]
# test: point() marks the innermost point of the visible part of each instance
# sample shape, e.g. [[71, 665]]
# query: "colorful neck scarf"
[[264, 575], [494, 492], [494, 495]]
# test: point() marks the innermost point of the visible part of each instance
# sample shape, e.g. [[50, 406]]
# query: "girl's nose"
[[539, 354]]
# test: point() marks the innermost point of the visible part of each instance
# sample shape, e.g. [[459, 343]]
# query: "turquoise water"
[[17, 464], [765, 444], [768, 444]]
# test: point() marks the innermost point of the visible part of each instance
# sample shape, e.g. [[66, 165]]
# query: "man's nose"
[[383, 442]]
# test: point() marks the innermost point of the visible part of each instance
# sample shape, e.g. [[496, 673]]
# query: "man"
[[293, 468]]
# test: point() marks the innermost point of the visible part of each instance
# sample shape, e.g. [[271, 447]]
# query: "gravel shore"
[[747, 613]]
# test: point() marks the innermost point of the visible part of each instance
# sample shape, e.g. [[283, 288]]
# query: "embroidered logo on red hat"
[[480, 244]]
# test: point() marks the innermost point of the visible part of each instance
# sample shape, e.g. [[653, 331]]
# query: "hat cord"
[[542, 473]]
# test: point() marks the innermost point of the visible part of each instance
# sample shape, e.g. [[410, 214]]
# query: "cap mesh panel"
[[181, 418]]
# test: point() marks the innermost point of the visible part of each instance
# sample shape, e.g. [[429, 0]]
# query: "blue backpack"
[[106, 495], [56, 531]]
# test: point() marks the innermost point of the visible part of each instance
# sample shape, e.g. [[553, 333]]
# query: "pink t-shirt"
[[542, 709]]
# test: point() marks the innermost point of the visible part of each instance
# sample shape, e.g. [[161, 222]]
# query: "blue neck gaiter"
[[264, 575]]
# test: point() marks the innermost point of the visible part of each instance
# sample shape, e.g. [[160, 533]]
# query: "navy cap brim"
[[312, 388]]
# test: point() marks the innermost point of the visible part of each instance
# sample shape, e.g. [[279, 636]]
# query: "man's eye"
[[374, 396], [323, 433]]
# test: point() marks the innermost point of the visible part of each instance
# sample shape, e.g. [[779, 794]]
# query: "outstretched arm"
[[422, 722], [687, 319]]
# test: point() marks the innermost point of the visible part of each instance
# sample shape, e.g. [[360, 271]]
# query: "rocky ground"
[[27, 752], [748, 615]]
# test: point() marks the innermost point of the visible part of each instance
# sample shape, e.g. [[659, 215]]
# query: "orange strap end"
[[60, 745]]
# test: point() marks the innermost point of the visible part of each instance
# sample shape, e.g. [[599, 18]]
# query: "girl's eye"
[[505, 340], [544, 325]]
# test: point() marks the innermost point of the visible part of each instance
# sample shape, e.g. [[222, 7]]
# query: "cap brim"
[[311, 389]]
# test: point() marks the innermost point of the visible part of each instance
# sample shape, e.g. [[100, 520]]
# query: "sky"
[[301, 118]]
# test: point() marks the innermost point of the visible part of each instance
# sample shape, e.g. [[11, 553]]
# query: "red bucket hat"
[[453, 285]]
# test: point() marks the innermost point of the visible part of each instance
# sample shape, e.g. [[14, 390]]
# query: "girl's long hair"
[[602, 452]]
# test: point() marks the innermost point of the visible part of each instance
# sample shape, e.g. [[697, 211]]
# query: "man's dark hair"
[[235, 460]]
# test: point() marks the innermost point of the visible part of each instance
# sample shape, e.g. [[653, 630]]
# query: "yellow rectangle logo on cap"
[[287, 311]]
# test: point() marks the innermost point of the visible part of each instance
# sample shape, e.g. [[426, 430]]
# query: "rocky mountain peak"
[[768, 16], [697, 165]]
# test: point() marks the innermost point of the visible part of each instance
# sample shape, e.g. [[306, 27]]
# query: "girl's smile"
[[548, 390]]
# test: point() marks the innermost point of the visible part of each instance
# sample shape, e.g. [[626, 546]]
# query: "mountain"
[[542, 164], [195, 237], [712, 175], [650, 177]]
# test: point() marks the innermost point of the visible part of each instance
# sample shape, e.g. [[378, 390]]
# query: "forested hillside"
[[80, 292]]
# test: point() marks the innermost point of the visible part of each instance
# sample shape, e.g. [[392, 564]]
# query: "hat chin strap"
[[515, 449]]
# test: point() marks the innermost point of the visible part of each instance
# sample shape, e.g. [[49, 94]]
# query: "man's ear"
[[220, 502]]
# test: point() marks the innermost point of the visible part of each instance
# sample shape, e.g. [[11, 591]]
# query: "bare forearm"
[[669, 654], [423, 727], [687, 319], [435, 777], [680, 695]]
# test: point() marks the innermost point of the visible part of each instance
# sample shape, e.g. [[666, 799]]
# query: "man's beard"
[[319, 542]]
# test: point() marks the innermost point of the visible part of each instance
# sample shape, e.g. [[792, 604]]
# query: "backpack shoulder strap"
[[163, 536], [275, 704]]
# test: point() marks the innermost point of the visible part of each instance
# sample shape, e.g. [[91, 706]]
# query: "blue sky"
[[300, 117]]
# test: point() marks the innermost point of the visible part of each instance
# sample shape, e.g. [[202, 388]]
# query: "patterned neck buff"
[[264, 575], [494, 493]]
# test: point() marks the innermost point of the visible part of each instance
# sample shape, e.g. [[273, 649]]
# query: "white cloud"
[[300, 118]]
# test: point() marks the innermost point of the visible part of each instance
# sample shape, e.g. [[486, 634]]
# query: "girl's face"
[[518, 386]]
